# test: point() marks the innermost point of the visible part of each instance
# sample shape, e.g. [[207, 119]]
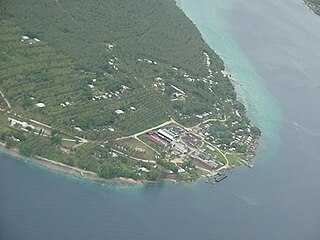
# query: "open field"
[[135, 148]]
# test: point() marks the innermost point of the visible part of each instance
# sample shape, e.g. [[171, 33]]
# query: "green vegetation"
[[233, 159], [105, 69], [74, 49], [314, 5], [135, 148]]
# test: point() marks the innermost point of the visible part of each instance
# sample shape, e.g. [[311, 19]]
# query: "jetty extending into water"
[[216, 177]]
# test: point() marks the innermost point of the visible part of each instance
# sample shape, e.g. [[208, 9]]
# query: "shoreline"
[[178, 3], [58, 167], [55, 166], [92, 176]]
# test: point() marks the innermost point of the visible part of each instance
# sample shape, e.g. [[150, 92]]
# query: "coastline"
[[55, 166], [178, 3], [235, 82], [79, 173], [65, 169]]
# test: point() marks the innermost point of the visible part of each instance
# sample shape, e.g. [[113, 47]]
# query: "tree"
[[56, 139], [10, 143], [25, 149]]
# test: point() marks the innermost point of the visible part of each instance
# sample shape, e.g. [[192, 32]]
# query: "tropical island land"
[[122, 89], [314, 5]]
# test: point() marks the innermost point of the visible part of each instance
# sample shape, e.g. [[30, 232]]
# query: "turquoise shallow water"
[[271, 46], [212, 19]]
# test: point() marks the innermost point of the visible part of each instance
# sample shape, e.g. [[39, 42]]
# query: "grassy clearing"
[[3, 123], [3, 104], [152, 144], [68, 144], [233, 159], [137, 149], [220, 157]]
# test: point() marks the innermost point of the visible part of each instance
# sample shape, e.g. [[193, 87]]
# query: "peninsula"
[[124, 89]]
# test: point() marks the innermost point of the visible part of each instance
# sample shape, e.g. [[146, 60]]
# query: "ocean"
[[272, 48]]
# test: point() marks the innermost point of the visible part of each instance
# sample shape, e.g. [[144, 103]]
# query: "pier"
[[216, 177]]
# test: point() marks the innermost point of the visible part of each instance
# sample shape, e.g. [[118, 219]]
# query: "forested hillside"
[[105, 69], [81, 29], [126, 43]]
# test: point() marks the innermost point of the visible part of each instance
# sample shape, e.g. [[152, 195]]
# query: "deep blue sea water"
[[272, 48]]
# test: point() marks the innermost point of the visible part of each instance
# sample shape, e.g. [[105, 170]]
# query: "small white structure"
[[165, 134], [13, 122], [119, 111], [143, 169], [78, 129], [133, 108], [109, 46], [181, 170], [40, 105], [36, 39], [25, 37], [178, 89]]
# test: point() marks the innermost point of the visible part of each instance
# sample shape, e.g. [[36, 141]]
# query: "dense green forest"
[[85, 60], [75, 48]]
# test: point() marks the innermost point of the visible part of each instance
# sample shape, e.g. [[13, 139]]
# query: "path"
[[172, 121], [5, 99], [147, 130], [39, 123], [216, 148]]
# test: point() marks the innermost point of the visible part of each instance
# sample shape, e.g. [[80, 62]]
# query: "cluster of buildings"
[[205, 161], [27, 127], [29, 39], [147, 61], [107, 95], [169, 137], [184, 144]]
